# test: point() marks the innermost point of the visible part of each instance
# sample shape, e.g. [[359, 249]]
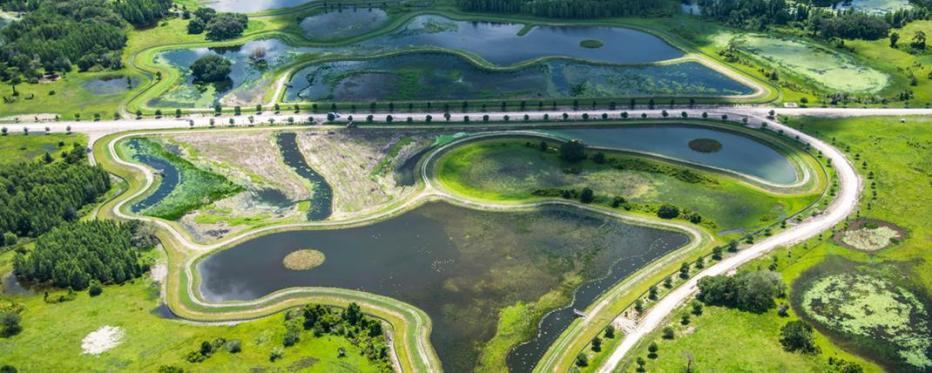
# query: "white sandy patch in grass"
[[102, 340], [159, 272]]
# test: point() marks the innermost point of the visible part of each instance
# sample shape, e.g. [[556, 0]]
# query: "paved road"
[[849, 186], [96, 130]]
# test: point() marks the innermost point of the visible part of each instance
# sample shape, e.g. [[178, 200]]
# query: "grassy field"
[[828, 68], [510, 170], [16, 148], [902, 60], [52, 334], [896, 153], [66, 97]]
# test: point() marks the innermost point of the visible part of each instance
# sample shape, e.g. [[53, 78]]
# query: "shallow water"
[[460, 266], [110, 85], [167, 172], [441, 76], [740, 153], [322, 200], [500, 44], [251, 6], [343, 23]]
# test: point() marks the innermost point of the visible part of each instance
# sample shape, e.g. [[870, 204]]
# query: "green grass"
[[896, 153], [196, 187], [508, 169], [727, 340], [829, 68], [52, 334], [16, 148], [901, 60], [65, 97]]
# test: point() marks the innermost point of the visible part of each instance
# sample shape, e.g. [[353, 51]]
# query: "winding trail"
[[845, 203]]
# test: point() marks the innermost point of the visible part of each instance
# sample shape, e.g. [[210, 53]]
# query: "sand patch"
[[102, 340]]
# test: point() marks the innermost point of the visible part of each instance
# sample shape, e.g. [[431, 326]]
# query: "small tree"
[[668, 333], [684, 320], [668, 212], [652, 350], [572, 151], [609, 331], [697, 309], [233, 346], [797, 336], [9, 324], [95, 289], [596, 344], [587, 196], [582, 360], [684, 270]]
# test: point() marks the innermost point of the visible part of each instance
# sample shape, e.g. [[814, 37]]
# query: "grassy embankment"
[[522, 171], [410, 326], [894, 152]]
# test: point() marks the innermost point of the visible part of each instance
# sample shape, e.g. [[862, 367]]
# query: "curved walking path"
[[844, 204], [849, 187]]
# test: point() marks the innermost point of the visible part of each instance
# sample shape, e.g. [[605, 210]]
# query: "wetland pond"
[[442, 76], [461, 266], [343, 23], [739, 153], [251, 6], [167, 172]]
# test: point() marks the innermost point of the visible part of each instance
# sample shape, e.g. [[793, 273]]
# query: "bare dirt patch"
[[102, 340], [870, 235], [349, 159]]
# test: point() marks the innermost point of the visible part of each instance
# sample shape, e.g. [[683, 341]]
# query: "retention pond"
[[461, 266]]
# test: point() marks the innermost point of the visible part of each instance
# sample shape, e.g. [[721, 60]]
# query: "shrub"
[[9, 324], [668, 333], [668, 212], [233, 346], [95, 288], [572, 151], [277, 353], [582, 360], [587, 196], [797, 336]]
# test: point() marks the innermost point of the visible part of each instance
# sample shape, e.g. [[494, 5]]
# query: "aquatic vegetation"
[[705, 145], [440, 76], [343, 23], [877, 314], [303, 260], [828, 68], [194, 187], [461, 266]]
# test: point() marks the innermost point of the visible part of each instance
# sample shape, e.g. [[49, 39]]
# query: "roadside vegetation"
[[196, 187], [836, 290], [518, 169]]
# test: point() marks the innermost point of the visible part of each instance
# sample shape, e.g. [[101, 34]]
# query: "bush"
[[277, 353], [572, 151], [668, 212], [95, 288], [582, 360], [233, 346], [9, 324], [668, 333], [587, 196], [749, 291], [211, 68], [797, 336]]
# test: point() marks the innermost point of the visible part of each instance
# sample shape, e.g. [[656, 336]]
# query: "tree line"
[[76, 254], [813, 17], [37, 196], [571, 8], [54, 36]]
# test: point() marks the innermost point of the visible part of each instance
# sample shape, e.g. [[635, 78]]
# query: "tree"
[[225, 26], [596, 344], [894, 38], [211, 68], [652, 350], [756, 290], [919, 40], [9, 324], [796, 336], [668, 333], [668, 212], [582, 360], [684, 271], [572, 151], [609, 331], [95, 288], [599, 158], [587, 196]]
